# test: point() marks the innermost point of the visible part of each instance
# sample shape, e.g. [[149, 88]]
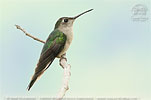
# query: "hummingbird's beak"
[[82, 13]]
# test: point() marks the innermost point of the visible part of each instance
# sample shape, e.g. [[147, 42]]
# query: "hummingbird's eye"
[[65, 20]]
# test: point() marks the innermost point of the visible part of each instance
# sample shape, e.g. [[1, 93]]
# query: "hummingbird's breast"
[[69, 35]]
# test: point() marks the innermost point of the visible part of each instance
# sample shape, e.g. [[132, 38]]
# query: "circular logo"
[[139, 13]]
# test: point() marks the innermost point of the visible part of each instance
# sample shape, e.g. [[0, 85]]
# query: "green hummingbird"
[[56, 45]]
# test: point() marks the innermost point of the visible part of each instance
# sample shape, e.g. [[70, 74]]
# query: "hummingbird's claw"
[[62, 57]]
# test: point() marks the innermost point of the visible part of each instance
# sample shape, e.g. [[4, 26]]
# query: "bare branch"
[[18, 27], [66, 78]]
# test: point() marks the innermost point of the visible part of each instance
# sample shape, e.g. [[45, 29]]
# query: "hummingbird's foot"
[[62, 57]]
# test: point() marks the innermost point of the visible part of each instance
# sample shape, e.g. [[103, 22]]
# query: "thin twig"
[[18, 27]]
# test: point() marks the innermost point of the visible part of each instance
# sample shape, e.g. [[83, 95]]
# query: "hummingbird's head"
[[67, 22], [64, 22]]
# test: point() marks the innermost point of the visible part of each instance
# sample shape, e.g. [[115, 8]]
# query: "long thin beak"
[[82, 13]]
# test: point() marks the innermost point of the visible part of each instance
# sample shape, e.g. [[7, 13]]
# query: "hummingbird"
[[55, 46]]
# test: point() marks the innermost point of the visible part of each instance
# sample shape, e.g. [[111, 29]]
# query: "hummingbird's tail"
[[34, 78], [40, 69]]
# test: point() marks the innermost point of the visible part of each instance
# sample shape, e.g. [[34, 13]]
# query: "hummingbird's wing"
[[53, 46]]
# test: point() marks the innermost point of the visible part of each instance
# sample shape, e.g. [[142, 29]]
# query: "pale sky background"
[[110, 54]]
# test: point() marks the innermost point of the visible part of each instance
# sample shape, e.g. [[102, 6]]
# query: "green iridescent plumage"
[[56, 35]]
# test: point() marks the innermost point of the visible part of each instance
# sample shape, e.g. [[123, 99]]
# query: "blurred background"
[[109, 56]]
